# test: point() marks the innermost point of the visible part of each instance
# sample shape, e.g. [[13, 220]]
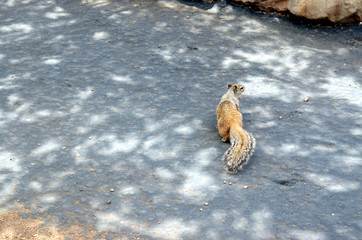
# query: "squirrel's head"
[[238, 89]]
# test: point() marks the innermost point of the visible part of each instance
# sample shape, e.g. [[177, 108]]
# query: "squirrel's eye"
[[241, 88]]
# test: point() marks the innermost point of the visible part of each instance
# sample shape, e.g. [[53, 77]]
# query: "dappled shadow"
[[100, 95]]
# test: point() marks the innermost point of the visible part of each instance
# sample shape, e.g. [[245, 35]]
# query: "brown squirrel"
[[230, 125]]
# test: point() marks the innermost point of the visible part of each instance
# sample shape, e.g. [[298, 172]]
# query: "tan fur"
[[230, 126]]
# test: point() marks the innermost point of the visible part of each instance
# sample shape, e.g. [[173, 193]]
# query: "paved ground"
[[98, 95]]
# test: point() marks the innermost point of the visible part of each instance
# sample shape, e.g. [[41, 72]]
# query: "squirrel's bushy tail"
[[241, 149]]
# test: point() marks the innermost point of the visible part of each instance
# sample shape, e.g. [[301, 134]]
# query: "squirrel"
[[230, 126]]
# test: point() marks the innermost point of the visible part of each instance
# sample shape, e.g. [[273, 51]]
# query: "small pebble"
[[109, 202], [206, 204], [111, 190], [90, 138], [280, 117], [224, 182], [306, 99], [246, 186], [187, 17], [201, 209], [81, 190], [230, 183], [63, 148]]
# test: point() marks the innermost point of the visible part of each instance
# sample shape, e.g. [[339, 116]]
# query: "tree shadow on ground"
[[100, 95]]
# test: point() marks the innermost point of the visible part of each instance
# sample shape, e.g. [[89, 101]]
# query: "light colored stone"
[[337, 11]]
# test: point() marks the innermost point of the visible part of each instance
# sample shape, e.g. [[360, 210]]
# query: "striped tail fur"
[[241, 149]]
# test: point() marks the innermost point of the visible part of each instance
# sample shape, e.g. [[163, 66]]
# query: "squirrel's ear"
[[229, 85]]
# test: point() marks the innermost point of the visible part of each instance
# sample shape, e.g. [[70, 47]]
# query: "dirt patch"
[[14, 226]]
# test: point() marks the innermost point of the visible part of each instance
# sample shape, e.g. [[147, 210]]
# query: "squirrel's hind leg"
[[224, 133], [225, 137]]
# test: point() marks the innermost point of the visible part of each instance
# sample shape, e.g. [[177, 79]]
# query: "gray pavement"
[[96, 95]]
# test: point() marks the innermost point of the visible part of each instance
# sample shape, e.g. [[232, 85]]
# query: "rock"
[[336, 11]]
